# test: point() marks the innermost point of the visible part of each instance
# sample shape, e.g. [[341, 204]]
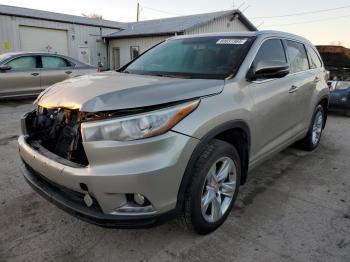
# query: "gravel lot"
[[295, 207]]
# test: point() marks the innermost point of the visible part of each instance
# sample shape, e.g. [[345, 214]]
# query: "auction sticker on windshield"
[[231, 41]]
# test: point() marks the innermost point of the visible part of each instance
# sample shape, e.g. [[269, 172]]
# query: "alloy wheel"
[[218, 189], [317, 128]]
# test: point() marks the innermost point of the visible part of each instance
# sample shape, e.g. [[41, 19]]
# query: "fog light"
[[343, 99], [139, 199]]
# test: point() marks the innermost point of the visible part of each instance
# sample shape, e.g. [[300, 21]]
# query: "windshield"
[[3, 57], [198, 57], [343, 84]]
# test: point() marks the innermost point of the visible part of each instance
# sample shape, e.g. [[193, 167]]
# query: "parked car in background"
[[176, 130], [340, 96], [26, 74]]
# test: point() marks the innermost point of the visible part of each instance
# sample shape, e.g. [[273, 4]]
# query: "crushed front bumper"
[[153, 167]]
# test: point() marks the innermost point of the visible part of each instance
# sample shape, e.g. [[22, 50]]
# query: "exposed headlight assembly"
[[139, 126]]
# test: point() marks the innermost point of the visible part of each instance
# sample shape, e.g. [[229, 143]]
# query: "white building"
[[140, 36], [100, 41], [24, 29]]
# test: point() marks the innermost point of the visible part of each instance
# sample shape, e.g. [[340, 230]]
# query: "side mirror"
[[268, 70], [4, 68]]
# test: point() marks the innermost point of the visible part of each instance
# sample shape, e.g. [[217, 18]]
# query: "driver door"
[[274, 104], [23, 77]]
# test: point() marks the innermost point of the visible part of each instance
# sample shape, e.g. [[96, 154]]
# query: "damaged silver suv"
[[176, 130]]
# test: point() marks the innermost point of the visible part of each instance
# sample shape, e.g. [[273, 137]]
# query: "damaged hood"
[[113, 91]]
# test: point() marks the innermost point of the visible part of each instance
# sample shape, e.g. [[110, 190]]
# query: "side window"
[[315, 61], [297, 56], [271, 50], [50, 62], [22, 63]]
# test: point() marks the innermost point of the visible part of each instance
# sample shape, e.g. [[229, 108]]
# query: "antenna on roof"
[[245, 8], [242, 4], [260, 24]]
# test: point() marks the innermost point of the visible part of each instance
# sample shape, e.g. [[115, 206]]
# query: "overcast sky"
[[328, 27]]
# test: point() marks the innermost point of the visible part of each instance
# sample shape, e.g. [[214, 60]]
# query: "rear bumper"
[[73, 203]]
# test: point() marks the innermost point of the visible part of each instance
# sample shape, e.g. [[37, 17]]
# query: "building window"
[[134, 52]]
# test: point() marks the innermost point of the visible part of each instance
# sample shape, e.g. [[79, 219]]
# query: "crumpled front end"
[[58, 131], [98, 181]]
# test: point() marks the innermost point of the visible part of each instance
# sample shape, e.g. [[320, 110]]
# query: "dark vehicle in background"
[[26, 74], [340, 96]]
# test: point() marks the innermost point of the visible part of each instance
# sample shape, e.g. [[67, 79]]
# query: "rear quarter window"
[[315, 61]]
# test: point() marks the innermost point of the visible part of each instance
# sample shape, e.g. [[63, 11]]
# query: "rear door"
[[303, 81], [55, 69], [317, 71], [274, 105], [23, 77]]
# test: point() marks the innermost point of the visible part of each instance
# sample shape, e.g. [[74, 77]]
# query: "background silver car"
[[26, 74]]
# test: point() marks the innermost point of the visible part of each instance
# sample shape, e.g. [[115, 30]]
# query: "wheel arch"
[[324, 102], [228, 132]]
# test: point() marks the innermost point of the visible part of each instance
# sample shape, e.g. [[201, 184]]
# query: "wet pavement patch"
[[7, 139]]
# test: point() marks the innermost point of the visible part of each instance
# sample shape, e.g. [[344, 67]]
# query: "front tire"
[[313, 137], [213, 187]]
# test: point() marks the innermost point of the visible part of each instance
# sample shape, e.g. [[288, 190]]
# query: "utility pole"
[[138, 12]]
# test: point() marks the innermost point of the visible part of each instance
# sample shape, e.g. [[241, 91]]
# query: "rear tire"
[[313, 136], [213, 187]]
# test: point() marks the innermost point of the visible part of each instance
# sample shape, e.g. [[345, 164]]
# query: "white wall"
[[124, 46], [222, 24], [219, 25], [78, 36]]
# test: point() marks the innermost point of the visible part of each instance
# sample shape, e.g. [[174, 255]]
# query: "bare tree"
[[93, 16]]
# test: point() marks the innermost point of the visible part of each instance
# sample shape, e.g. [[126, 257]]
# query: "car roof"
[[264, 33], [4, 57], [29, 53]]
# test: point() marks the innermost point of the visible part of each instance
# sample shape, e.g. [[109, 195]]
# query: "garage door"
[[44, 40]]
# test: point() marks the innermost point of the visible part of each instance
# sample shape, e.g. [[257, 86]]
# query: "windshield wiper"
[[174, 76]]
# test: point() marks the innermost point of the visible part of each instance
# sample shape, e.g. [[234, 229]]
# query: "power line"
[[302, 13], [159, 11], [310, 21]]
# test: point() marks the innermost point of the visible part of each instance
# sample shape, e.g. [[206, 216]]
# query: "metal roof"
[[176, 25], [264, 33], [57, 17]]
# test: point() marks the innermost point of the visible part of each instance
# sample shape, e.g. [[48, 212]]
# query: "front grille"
[[58, 130]]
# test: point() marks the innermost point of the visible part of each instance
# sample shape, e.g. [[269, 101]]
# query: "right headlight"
[[139, 126]]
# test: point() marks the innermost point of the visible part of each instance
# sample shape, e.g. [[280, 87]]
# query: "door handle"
[[34, 74], [293, 89], [68, 72]]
